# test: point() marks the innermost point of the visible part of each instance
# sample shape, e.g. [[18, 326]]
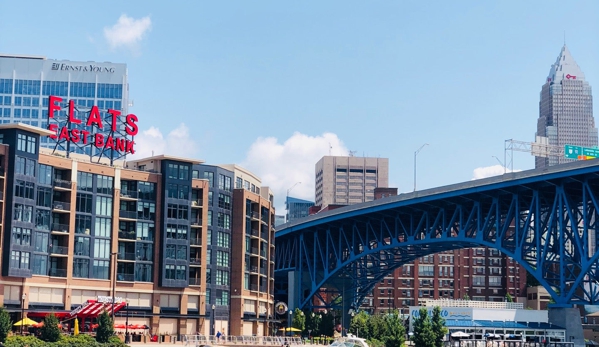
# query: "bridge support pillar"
[[568, 318]]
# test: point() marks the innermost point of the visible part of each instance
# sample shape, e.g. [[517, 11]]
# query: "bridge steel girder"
[[546, 223]]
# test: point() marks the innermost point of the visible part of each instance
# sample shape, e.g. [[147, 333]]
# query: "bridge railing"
[[200, 340], [500, 343]]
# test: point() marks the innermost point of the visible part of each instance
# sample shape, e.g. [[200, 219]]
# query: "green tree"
[[5, 324], [424, 335], [50, 332], [508, 297], [105, 328], [439, 328], [299, 319], [312, 322], [466, 297], [396, 332], [376, 327], [359, 324]]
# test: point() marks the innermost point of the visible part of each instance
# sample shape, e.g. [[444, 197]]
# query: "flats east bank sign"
[[94, 122]]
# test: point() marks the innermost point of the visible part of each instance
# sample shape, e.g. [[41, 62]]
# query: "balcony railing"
[[59, 250], [254, 287], [61, 205], [58, 272], [196, 223], [263, 253], [195, 242], [126, 256], [195, 282], [195, 261], [130, 194], [125, 277], [62, 183], [62, 228], [254, 250], [196, 203], [1, 196], [255, 215], [253, 269], [254, 232], [263, 289], [264, 235], [129, 235], [263, 270], [128, 214]]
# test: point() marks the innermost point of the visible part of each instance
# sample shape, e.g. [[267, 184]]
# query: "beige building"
[[349, 180]]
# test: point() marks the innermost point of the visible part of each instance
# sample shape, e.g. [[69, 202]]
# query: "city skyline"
[[310, 74]]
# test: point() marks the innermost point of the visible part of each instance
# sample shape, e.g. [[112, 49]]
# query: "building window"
[[210, 177], [103, 206], [24, 189], [24, 166], [170, 272], [145, 231], [103, 227], [222, 278], [147, 190], [85, 181], [84, 203], [104, 184], [23, 213], [21, 236], [82, 246], [19, 260], [222, 258], [44, 197], [41, 242], [146, 210], [100, 269], [101, 249], [26, 143], [44, 175], [143, 272], [223, 239], [40, 265], [224, 201], [83, 224], [81, 268]]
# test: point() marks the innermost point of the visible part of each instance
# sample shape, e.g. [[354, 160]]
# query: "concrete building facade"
[[349, 180]]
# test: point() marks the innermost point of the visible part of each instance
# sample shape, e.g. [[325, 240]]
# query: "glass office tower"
[[565, 109], [27, 81]]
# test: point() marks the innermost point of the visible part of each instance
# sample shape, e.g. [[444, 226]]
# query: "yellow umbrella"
[[76, 328], [25, 322], [290, 329]]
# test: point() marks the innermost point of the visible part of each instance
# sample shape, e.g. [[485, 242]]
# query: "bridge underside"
[[547, 223]]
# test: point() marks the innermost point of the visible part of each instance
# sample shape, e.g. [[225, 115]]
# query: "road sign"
[[580, 153]]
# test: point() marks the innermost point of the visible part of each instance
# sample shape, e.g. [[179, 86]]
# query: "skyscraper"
[[565, 109]]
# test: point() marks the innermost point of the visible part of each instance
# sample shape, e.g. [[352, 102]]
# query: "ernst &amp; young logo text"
[[81, 68]]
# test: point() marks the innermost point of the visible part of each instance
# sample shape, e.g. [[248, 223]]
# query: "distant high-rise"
[[297, 208], [349, 180], [565, 109]]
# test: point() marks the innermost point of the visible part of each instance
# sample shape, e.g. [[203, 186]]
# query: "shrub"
[[5, 324], [50, 332]]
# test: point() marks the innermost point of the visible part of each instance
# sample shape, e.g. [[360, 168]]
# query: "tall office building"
[[27, 81], [565, 109], [349, 180]]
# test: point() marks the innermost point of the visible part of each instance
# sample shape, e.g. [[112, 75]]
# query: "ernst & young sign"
[[87, 136]]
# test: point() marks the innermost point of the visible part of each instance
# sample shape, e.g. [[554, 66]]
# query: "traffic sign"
[[580, 153]]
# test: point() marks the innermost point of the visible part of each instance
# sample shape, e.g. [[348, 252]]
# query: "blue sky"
[[270, 84]]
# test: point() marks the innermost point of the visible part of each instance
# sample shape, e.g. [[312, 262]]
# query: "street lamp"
[[213, 321], [500, 163], [287, 200], [289, 322], [127, 339], [415, 155], [23, 297], [113, 255]]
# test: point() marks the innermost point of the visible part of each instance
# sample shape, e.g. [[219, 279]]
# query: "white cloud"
[[127, 32], [489, 171], [178, 142], [281, 165]]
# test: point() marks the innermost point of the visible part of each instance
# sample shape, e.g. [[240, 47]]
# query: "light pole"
[[500, 163], [415, 155], [289, 322], [127, 339], [23, 297], [287, 200], [114, 255], [213, 321]]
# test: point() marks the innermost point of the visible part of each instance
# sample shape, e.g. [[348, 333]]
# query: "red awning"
[[93, 308]]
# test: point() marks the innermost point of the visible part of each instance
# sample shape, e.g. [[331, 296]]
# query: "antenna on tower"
[[330, 148], [564, 37], [352, 153]]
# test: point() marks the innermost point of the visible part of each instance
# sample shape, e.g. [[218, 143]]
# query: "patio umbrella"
[[76, 328], [119, 326], [290, 329], [460, 334], [41, 324], [25, 322]]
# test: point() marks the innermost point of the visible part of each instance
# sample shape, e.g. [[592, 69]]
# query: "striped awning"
[[93, 308]]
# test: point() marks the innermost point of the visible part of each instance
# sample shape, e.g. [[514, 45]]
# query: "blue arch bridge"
[[546, 220]]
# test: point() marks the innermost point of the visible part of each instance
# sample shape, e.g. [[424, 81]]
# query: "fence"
[[201, 340], [500, 343]]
